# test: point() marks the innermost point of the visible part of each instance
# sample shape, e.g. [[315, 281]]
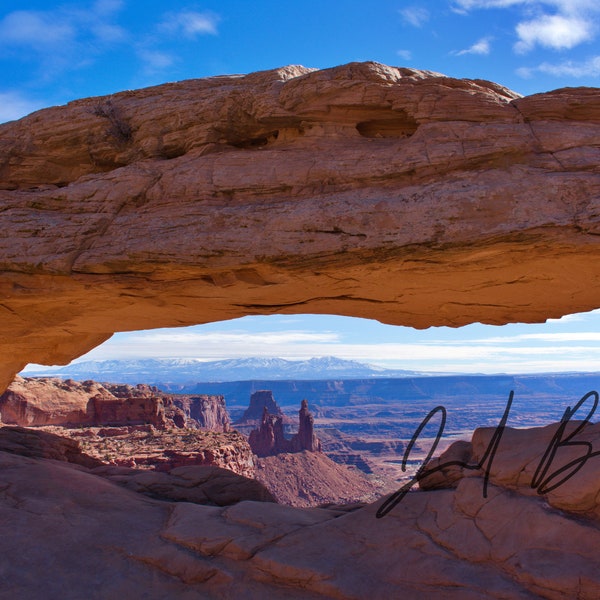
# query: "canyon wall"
[[367, 190], [47, 401]]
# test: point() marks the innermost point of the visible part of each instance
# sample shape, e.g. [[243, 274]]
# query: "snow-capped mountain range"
[[189, 370]]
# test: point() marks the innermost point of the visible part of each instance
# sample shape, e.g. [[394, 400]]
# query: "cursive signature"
[[543, 481]]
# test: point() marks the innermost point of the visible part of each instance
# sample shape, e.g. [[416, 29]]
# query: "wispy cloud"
[[13, 105], [107, 7], [190, 23], [35, 29], [62, 38], [571, 343], [156, 60], [554, 24], [481, 47], [405, 54], [233, 337], [588, 68], [416, 16]]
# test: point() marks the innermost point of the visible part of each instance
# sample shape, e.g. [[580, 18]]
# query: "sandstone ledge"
[[447, 544]]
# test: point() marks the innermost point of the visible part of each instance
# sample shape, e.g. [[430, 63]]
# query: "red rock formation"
[[366, 190], [44, 444], [45, 401], [305, 439], [198, 484], [204, 411], [136, 410], [570, 476], [260, 401], [269, 438], [48, 401]]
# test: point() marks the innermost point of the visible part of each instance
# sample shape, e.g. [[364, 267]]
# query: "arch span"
[[366, 190]]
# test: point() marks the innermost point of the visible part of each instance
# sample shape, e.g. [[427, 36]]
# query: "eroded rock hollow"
[[366, 190]]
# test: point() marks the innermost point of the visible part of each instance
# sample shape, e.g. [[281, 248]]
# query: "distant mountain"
[[180, 371]]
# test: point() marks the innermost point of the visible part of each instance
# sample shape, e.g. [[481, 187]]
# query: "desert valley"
[[190, 449]]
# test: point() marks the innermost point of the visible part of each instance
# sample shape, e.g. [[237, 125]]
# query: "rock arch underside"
[[366, 190]]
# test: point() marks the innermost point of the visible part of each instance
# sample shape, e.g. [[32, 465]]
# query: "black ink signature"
[[542, 481]]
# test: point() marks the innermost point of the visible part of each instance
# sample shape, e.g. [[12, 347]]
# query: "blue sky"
[[54, 52], [568, 344]]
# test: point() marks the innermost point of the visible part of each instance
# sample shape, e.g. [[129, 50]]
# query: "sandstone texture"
[[44, 444], [33, 401], [367, 190], [69, 533], [558, 462], [144, 447]]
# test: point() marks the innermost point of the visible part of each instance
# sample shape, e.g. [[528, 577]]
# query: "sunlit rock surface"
[[367, 190]]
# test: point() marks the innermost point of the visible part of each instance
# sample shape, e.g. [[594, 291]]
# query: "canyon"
[[365, 190]]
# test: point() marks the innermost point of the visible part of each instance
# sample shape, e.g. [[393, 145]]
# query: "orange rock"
[[366, 190]]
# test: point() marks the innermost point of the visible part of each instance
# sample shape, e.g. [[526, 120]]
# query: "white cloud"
[[414, 15], [554, 24], [35, 29], [481, 47], [405, 54], [588, 68], [155, 60], [220, 338], [191, 24], [553, 31], [14, 105], [108, 33], [563, 6]]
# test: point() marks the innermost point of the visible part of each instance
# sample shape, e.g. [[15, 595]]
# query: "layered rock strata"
[[269, 439], [48, 401], [366, 190]]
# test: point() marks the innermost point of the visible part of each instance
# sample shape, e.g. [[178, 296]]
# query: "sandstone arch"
[[366, 190]]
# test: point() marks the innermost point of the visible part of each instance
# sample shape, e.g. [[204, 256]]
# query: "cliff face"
[[48, 401], [209, 412], [366, 190], [260, 401]]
